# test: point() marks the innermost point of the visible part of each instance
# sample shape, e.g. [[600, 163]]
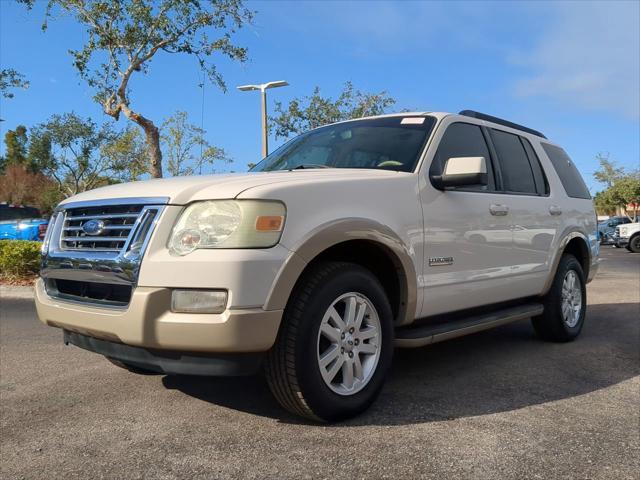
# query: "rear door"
[[534, 214]]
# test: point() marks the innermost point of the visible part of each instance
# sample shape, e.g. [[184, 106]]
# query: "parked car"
[[18, 222], [343, 243], [628, 236], [607, 228]]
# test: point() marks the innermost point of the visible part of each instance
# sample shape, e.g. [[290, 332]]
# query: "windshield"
[[389, 143]]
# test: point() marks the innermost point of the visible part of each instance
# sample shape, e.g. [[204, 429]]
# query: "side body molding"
[[334, 233]]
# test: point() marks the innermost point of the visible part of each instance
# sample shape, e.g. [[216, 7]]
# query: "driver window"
[[463, 140]]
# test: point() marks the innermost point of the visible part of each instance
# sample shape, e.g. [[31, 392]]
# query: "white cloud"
[[588, 56], [584, 55]]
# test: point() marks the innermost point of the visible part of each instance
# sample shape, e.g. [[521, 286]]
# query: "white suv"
[[400, 230]]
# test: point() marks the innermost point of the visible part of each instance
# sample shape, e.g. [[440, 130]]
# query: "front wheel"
[[634, 244], [565, 304], [335, 345]]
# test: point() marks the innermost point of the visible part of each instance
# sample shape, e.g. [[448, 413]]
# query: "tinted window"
[[567, 171], [390, 143], [517, 175], [18, 213], [463, 140], [538, 174]]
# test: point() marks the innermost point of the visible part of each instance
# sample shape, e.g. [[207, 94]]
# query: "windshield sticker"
[[412, 120]]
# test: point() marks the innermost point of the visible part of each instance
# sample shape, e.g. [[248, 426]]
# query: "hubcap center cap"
[[348, 343]]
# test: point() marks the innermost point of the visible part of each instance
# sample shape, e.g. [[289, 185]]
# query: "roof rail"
[[500, 121]]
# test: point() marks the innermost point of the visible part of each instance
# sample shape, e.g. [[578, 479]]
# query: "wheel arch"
[[577, 244], [362, 241]]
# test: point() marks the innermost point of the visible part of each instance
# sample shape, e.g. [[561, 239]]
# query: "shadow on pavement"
[[494, 371]]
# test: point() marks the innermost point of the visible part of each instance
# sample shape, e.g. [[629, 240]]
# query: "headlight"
[[228, 224]]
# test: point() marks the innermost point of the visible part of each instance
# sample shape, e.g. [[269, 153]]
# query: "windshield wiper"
[[304, 166]]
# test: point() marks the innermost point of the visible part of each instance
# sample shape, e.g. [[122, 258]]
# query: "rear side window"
[[538, 174], [463, 140], [567, 171], [517, 174]]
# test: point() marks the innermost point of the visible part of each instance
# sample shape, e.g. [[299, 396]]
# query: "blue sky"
[[568, 69]]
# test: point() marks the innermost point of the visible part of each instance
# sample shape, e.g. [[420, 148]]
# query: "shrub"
[[19, 259]]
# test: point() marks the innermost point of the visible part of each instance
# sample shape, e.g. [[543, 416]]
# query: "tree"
[[16, 148], [186, 150], [605, 205], [127, 155], [123, 36], [20, 185], [609, 172], [69, 149], [9, 79], [626, 191], [313, 111]]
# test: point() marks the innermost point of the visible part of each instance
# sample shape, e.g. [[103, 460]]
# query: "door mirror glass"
[[462, 172]]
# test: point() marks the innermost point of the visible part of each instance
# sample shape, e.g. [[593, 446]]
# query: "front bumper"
[[148, 322], [620, 242], [168, 362]]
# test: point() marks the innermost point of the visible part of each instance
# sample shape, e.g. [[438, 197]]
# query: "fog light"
[[198, 301]]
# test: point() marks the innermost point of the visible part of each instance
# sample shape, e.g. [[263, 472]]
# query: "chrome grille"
[[117, 225]]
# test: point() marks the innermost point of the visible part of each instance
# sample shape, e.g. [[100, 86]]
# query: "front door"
[[468, 230]]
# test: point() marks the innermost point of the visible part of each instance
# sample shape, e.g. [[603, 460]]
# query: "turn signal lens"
[[269, 223]]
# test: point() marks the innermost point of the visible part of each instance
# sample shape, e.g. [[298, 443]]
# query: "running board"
[[427, 334]]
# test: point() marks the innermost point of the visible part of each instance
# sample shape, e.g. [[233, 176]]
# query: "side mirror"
[[462, 172]]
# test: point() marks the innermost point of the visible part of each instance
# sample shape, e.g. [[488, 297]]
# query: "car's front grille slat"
[[112, 226], [107, 227], [87, 217]]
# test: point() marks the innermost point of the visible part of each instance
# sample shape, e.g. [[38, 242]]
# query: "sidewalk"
[[15, 291]]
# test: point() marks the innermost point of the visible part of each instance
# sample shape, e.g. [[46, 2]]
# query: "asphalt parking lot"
[[498, 404]]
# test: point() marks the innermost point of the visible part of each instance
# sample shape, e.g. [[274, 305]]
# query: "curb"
[[11, 291]]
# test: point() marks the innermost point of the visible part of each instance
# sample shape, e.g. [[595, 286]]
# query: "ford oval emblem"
[[93, 227]]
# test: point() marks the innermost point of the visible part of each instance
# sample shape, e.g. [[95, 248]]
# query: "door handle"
[[555, 210], [498, 210]]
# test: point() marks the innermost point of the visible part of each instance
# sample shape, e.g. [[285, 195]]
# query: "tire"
[[293, 368], [634, 243], [131, 368], [554, 325]]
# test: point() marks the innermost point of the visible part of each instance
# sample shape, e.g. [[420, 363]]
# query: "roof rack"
[[500, 121]]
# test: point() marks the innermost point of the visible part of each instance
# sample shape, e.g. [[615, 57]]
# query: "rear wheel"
[[565, 304], [634, 244], [335, 344]]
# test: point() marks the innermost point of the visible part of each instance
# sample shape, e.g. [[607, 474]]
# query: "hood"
[[182, 190]]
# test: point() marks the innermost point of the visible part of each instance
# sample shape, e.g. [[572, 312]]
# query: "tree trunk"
[[152, 135]]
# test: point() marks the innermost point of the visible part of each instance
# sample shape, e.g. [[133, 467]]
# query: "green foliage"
[[69, 149], [19, 259], [623, 192], [16, 148], [313, 111], [127, 155], [185, 148], [609, 172], [9, 79], [123, 36]]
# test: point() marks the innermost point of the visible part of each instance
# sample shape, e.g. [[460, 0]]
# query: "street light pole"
[[265, 128], [263, 94]]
